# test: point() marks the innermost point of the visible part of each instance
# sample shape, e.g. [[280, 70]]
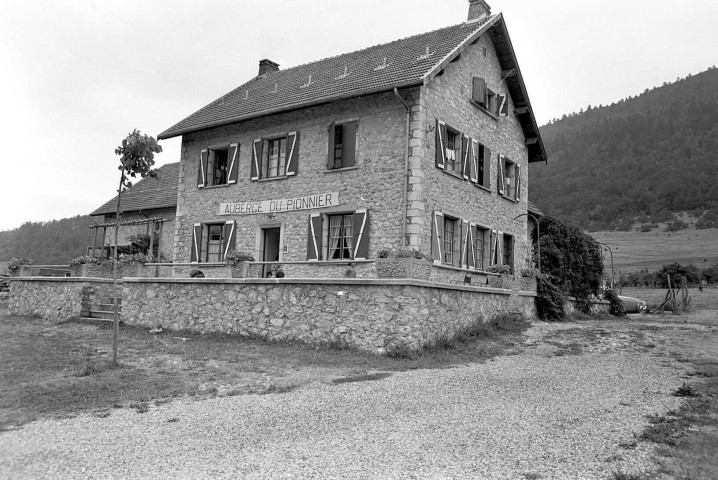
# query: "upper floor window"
[[490, 101], [275, 156], [342, 145], [509, 178], [452, 150], [218, 166], [480, 164]]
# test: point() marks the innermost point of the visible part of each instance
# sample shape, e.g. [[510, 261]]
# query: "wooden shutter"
[[492, 247], [314, 237], [465, 243], [500, 174], [500, 248], [474, 160], [349, 148], [465, 166], [256, 158], [518, 182], [471, 256], [233, 157], [292, 153], [196, 243], [330, 149], [229, 237], [437, 237], [361, 234], [478, 92], [440, 144], [485, 170], [503, 106], [202, 172]]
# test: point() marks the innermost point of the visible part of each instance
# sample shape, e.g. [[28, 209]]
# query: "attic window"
[[382, 66], [309, 82], [425, 55], [491, 102], [343, 75]]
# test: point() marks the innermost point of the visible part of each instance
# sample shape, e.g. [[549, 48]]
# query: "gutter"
[[404, 203]]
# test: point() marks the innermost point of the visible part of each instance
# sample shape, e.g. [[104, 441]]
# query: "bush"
[[708, 220], [83, 259], [676, 225], [550, 299], [505, 269], [15, 263], [616, 305]]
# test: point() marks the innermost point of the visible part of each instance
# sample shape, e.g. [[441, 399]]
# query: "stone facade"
[[375, 183]]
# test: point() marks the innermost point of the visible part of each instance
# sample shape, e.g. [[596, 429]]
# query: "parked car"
[[633, 305]]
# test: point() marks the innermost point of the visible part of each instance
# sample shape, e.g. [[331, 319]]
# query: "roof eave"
[[283, 109]]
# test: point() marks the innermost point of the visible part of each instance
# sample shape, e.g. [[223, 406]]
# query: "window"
[[479, 237], [507, 251], [275, 157], [487, 99], [218, 166], [338, 236], [212, 241], [447, 240], [480, 164], [509, 178], [343, 141], [452, 150]]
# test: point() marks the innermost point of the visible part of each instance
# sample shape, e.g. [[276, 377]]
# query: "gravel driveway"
[[557, 407]]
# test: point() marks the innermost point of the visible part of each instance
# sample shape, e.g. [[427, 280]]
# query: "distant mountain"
[[647, 157], [49, 243]]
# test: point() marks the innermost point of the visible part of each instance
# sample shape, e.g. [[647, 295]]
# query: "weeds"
[[685, 390], [361, 378]]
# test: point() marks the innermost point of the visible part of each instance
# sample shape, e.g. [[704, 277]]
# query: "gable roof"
[[147, 194], [397, 64]]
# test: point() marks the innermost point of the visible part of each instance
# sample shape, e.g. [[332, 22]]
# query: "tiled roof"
[[358, 73], [149, 193], [533, 209]]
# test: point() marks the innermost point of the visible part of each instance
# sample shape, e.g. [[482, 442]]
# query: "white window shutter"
[[500, 181], [518, 182], [202, 174], [437, 238], [440, 144]]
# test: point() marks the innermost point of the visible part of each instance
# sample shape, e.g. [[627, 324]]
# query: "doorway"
[[269, 243]]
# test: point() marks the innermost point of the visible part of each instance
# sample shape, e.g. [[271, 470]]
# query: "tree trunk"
[[115, 318]]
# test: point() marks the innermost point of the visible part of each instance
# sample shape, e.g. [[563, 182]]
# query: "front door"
[[270, 248]]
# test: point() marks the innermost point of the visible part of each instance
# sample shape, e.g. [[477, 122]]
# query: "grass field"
[[634, 251], [52, 370]]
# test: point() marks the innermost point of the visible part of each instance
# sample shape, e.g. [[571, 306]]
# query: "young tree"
[[137, 157]]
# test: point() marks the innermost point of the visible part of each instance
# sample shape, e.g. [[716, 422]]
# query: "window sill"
[[506, 197], [345, 169], [467, 270], [484, 110], [453, 174], [271, 179], [477, 185], [206, 187]]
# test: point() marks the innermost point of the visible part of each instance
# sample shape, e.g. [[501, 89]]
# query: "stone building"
[[422, 143], [150, 205]]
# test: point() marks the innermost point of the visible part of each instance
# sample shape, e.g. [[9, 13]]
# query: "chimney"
[[478, 9], [266, 66]]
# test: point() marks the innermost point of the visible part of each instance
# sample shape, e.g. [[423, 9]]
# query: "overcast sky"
[[77, 76]]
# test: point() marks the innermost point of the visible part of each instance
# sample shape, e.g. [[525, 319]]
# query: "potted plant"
[[77, 265], [402, 263], [502, 270], [15, 266], [238, 262]]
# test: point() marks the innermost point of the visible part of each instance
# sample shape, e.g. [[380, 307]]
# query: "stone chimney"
[[266, 66], [478, 9]]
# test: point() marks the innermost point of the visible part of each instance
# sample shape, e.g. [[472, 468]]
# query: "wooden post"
[[672, 294], [94, 242], [104, 234], [152, 236]]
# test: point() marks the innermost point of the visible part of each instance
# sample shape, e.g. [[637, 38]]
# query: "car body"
[[633, 305]]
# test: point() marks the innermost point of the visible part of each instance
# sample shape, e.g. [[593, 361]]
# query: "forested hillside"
[[647, 157], [49, 243]]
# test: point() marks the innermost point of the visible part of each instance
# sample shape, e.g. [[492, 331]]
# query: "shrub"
[[83, 259], [676, 225], [708, 220], [234, 257], [15, 263], [499, 269], [616, 305], [550, 299]]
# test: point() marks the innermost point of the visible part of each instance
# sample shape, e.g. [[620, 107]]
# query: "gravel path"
[[531, 414]]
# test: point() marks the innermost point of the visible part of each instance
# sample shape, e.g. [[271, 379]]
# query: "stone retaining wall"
[[366, 314], [597, 306], [55, 299]]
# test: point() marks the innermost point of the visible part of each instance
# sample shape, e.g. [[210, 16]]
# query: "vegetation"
[[48, 243], [550, 299], [616, 305], [708, 220], [654, 153], [659, 278]]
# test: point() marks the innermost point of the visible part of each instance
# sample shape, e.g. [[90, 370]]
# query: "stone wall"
[[597, 306], [447, 98], [55, 299], [366, 314], [375, 183]]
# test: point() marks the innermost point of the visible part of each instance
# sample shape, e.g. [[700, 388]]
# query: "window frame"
[[480, 232], [451, 256], [451, 166], [264, 164], [201, 238], [211, 172], [507, 251], [342, 247], [347, 160], [510, 171]]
